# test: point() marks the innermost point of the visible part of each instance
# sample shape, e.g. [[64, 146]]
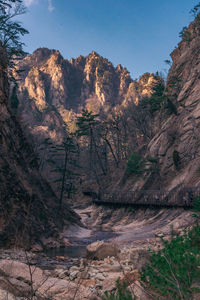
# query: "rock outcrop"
[[176, 144], [53, 91], [29, 208], [180, 134], [100, 250], [85, 82]]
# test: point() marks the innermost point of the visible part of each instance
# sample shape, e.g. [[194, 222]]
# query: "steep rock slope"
[[176, 145], [48, 81], [51, 79], [53, 91], [28, 207]]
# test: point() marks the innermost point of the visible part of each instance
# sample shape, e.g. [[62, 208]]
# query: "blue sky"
[[139, 34]]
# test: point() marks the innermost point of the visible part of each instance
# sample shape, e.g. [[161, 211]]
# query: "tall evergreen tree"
[[10, 29]]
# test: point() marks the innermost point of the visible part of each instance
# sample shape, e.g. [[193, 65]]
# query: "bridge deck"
[[183, 197]]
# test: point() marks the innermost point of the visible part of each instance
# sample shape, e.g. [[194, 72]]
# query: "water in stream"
[[78, 247]]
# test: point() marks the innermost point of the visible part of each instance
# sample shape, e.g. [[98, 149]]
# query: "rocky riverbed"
[[24, 274], [66, 273]]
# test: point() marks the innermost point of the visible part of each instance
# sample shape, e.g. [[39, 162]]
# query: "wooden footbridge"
[[179, 197]]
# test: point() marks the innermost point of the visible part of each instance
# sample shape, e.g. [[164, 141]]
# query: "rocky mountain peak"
[[93, 54], [79, 62], [119, 68], [92, 81], [40, 55]]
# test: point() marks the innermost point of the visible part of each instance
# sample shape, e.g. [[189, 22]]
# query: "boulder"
[[88, 282], [73, 268], [73, 275], [15, 287], [110, 283], [53, 288], [138, 291], [100, 250], [99, 276], [111, 268]]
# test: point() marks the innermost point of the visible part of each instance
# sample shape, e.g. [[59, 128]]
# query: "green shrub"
[[154, 102], [174, 269], [122, 293], [136, 164], [174, 82], [171, 107], [185, 35], [160, 99]]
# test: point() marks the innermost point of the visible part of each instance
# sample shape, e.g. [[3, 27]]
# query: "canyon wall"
[[176, 145], [29, 209]]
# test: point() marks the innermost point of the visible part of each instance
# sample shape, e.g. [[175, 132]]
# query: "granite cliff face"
[[176, 145], [28, 207], [53, 91], [90, 82]]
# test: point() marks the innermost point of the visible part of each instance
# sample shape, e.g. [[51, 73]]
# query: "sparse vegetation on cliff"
[[156, 100], [136, 164]]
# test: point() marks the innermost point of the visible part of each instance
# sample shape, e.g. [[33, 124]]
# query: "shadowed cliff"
[[29, 209]]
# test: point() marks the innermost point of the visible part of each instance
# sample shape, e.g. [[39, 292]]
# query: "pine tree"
[[11, 30], [88, 125]]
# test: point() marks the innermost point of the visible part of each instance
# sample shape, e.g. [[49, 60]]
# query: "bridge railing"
[[181, 196]]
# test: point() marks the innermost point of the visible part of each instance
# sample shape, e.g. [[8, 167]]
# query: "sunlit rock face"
[[29, 210], [90, 81], [53, 90]]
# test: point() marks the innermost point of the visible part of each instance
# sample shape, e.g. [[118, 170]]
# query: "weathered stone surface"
[[16, 269], [100, 250], [111, 268], [179, 131], [19, 274], [73, 275], [6, 295], [73, 268], [130, 277], [110, 283], [138, 291], [88, 282], [99, 276]]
